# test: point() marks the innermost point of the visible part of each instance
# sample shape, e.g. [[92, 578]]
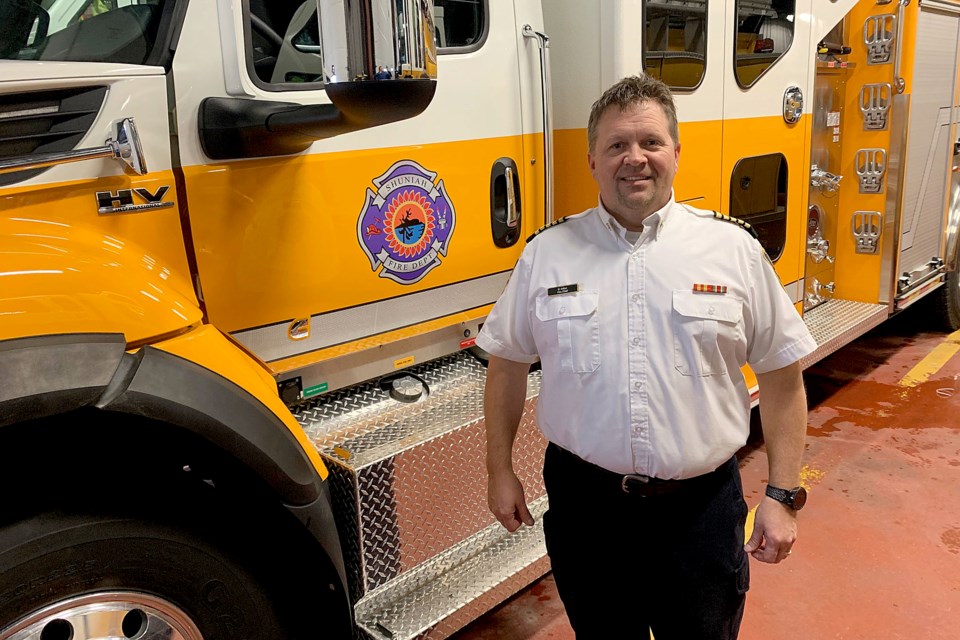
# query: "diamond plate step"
[[494, 563], [836, 323], [408, 483]]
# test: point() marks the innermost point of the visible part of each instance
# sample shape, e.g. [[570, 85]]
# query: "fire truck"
[[246, 247]]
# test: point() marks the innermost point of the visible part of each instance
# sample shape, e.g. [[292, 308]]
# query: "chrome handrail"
[[898, 82], [543, 42], [126, 148]]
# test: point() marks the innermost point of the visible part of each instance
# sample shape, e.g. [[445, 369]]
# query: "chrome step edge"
[[461, 584], [836, 323]]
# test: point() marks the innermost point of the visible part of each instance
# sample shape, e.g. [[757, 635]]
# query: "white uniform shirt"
[[641, 374]]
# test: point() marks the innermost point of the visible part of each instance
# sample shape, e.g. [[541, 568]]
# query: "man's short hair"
[[628, 92]]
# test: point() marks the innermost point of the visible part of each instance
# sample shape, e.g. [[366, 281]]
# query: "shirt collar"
[[658, 218]]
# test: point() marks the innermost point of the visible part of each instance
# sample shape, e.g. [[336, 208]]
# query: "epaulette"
[[547, 226], [743, 224]]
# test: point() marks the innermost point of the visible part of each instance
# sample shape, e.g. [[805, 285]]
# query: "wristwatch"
[[793, 498]]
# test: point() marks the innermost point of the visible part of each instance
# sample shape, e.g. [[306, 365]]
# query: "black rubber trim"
[[168, 388], [44, 376], [50, 375], [319, 520], [171, 24]]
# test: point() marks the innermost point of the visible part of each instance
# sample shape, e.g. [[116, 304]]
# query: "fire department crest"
[[406, 224]]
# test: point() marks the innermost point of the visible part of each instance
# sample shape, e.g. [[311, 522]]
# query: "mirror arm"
[[237, 128], [242, 128]]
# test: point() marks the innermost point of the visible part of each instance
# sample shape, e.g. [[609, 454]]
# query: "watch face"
[[800, 498]]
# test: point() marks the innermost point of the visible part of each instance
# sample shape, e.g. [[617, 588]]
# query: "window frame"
[[476, 46], [736, 32], [280, 87], [706, 42], [784, 171], [252, 72]]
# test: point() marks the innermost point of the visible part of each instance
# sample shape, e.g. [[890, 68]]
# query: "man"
[[641, 312]]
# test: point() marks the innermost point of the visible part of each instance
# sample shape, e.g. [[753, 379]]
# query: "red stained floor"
[[878, 556]]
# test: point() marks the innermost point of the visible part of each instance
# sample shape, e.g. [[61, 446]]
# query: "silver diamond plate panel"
[[433, 599], [836, 323], [409, 480]]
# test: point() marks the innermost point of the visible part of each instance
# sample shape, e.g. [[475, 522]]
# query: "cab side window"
[[284, 40], [283, 44], [122, 31], [764, 33], [675, 42], [461, 25]]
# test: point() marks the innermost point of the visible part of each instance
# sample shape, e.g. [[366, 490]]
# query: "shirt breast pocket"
[[573, 319], [702, 324]]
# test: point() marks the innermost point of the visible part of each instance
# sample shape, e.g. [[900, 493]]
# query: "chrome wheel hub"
[[106, 616]]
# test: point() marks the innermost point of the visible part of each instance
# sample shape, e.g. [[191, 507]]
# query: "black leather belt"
[[636, 484]]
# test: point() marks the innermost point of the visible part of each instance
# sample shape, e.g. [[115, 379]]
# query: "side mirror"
[[357, 37]]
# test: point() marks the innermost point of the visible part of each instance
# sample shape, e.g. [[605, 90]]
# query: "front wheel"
[[946, 299], [92, 577]]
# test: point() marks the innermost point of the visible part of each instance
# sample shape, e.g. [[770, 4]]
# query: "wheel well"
[[92, 461]]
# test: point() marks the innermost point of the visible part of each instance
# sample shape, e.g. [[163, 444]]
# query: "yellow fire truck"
[[246, 246]]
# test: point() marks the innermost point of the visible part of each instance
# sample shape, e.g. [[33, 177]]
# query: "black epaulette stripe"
[[743, 224], [547, 226]]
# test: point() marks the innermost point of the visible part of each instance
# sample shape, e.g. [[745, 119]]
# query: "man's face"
[[634, 161]]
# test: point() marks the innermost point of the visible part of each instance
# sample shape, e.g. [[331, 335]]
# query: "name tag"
[[566, 288]]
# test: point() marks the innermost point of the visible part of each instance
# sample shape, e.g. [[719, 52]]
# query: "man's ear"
[[676, 155]]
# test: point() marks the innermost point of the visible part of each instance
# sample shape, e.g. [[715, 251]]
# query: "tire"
[[947, 302], [141, 576]]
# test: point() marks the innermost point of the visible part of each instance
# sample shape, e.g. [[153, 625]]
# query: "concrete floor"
[[878, 557]]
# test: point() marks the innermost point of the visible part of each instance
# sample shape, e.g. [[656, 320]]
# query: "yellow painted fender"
[[60, 278]]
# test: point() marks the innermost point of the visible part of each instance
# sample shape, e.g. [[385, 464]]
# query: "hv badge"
[[405, 225]]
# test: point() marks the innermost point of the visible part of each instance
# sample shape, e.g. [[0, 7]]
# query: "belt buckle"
[[631, 479]]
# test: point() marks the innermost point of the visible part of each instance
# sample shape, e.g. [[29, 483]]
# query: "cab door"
[[766, 113], [301, 254]]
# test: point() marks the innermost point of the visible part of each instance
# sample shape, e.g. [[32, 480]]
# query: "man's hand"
[[783, 416], [503, 400], [506, 501], [774, 532]]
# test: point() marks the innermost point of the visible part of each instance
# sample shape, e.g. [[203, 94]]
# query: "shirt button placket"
[[636, 357]]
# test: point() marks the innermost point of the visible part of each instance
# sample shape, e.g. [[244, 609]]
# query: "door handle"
[[513, 216], [505, 205]]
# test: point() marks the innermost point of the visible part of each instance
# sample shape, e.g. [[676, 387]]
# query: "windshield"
[[124, 31]]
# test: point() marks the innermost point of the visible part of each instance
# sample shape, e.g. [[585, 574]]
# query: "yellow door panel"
[[277, 240]]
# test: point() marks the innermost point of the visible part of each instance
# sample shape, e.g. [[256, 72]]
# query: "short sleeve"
[[507, 333], [779, 336]]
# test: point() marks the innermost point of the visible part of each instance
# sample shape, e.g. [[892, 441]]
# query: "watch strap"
[[780, 495]]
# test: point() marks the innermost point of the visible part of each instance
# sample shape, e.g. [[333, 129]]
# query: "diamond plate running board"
[[441, 596], [836, 323], [408, 483]]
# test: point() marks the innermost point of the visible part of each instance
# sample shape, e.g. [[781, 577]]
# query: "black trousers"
[[626, 565]]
